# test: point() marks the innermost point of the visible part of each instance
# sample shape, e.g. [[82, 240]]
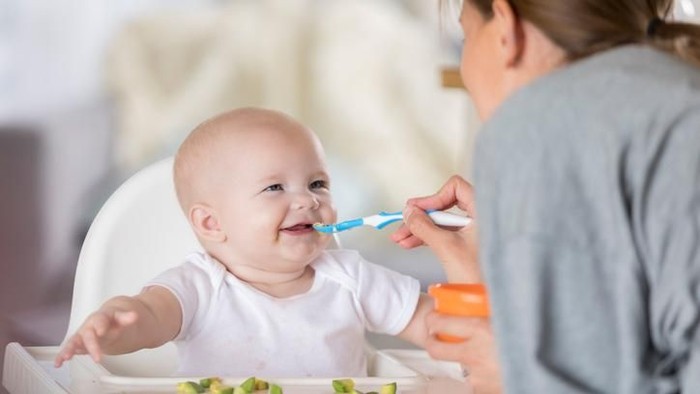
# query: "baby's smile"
[[299, 229]]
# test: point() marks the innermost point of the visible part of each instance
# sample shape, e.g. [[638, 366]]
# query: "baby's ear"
[[205, 223]]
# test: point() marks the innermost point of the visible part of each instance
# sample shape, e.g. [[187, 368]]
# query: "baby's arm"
[[416, 331], [126, 324]]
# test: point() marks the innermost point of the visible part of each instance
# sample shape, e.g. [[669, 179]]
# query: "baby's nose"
[[306, 201]]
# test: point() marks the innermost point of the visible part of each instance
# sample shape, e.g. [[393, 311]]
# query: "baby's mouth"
[[299, 227]]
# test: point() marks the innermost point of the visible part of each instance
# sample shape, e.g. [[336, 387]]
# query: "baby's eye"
[[318, 185], [273, 188]]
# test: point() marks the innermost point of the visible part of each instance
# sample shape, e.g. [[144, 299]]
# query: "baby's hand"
[[99, 330]]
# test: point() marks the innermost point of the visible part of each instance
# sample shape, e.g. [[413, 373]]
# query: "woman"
[[587, 174]]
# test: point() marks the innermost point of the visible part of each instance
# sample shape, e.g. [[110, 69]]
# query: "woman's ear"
[[510, 29], [205, 223]]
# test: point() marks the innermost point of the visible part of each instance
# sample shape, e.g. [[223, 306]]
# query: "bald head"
[[200, 154]]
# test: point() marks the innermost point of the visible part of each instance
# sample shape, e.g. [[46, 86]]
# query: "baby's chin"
[[302, 259]]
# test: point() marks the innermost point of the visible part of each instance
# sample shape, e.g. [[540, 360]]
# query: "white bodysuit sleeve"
[[388, 298]]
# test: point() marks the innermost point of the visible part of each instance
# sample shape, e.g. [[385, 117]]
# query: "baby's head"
[[252, 182]]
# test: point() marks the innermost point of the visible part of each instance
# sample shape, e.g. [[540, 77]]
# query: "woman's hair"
[[585, 27]]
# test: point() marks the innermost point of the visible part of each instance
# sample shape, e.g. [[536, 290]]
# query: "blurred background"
[[92, 91]]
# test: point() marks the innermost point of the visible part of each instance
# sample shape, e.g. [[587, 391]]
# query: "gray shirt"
[[588, 198]]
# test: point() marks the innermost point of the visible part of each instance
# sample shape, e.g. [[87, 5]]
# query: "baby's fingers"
[[72, 347], [125, 318], [92, 344], [64, 355]]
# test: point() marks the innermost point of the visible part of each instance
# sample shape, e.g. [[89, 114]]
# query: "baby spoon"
[[382, 219]]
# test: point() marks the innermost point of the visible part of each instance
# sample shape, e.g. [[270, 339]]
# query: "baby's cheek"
[[331, 214]]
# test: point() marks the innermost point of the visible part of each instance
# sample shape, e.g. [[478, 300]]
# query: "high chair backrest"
[[139, 232]]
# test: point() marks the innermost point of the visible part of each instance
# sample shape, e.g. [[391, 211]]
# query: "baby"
[[266, 298]]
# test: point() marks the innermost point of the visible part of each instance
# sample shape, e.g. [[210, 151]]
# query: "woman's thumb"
[[420, 224]]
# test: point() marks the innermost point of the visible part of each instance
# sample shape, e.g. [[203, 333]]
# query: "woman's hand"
[[477, 354], [456, 248]]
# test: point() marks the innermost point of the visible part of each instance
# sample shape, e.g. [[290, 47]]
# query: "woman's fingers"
[[478, 347], [457, 250], [421, 229], [405, 238], [450, 325], [458, 326], [421, 226], [446, 351], [418, 228], [456, 191]]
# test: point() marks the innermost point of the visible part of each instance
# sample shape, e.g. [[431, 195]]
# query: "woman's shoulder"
[[623, 70], [630, 82]]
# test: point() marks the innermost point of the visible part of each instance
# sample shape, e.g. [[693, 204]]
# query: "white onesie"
[[229, 328]]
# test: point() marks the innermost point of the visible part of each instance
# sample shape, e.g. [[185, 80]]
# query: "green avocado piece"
[[206, 382], [343, 385], [189, 387], [275, 389], [389, 388], [240, 390], [248, 385], [222, 389], [261, 384]]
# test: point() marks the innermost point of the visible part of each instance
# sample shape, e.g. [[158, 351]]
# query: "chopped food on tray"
[[342, 386], [215, 385], [207, 382], [275, 389], [189, 388], [261, 384]]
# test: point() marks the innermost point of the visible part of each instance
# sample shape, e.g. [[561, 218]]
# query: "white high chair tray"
[[30, 370]]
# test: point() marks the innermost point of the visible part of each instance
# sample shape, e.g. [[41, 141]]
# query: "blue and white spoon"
[[382, 219]]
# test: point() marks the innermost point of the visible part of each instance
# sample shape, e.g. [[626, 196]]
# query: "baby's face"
[[272, 187]]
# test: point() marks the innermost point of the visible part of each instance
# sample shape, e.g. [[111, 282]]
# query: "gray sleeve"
[[674, 246], [668, 232]]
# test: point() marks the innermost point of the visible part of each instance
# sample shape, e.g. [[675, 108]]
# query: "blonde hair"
[[585, 27]]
